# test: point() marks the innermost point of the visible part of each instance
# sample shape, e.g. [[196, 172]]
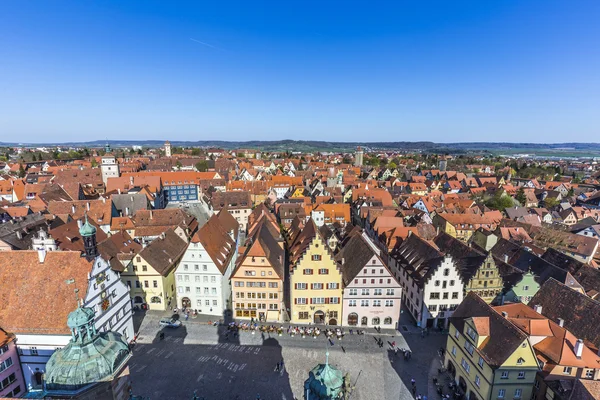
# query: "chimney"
[[506, 258], [578, 348], [103, 200], [119, 190], [150, 213], [504, 314], [73, 209], [537, 308], [131, 180], [79, 223], [561, 322], [19, 235], [41, 254], [343, 260], [127, 211], [87, 205]]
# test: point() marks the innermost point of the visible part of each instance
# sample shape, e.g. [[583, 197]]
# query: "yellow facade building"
[[151, 274], [489, 357], [315, 280]]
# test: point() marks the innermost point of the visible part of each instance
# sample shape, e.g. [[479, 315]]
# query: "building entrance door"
[[319, 317], [186, 302]]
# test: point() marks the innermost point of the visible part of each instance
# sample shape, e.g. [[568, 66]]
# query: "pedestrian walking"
[[413, 382], [277, 367], [187, 316]]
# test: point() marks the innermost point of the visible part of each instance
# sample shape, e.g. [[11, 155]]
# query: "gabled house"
[[561, 355], [372, 295], [488, 356], [315, 279], [431, 280], [151, 275], [203, 274], [478, 270], [258, 278]]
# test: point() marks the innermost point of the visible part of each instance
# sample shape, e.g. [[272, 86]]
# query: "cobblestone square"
[[198, 357]]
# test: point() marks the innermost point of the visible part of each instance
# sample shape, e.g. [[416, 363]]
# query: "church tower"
[[168, 148], [88, 233]]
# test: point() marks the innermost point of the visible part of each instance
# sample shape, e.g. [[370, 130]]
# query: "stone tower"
[[358, 157], [168, 148], [443, 164]]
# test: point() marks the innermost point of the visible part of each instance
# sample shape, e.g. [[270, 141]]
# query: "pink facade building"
[[372, 295], [11, 377]]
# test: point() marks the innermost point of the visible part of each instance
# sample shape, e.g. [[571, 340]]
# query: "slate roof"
[[418, 257], [18, 232], [588, 277], [23, 277], [131, 202], [580, 313], [466, 258], [504, 337], [355, 255], [164, 252]]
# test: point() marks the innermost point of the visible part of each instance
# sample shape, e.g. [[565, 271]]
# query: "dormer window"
[[472, 334]]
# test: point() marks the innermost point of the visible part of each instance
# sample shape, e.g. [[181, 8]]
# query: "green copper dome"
[[90, 357], [80, 317], [87, 229], [325, 382]]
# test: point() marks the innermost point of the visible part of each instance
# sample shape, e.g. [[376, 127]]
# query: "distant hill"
[[311, 146]]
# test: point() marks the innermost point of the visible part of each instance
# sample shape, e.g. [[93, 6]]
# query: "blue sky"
[[445, 71]]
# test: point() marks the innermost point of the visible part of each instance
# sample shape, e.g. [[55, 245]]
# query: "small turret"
[[88, 233]]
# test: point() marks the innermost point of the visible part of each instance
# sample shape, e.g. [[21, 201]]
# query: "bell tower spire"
[[88, 233]]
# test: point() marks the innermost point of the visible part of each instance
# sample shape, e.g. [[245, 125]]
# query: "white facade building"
[[202, 277], [432, 283], [109, 168]]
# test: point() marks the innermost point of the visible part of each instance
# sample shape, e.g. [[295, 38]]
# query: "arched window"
[[375, 321], [387, 321], [138, 299], [155, 299]]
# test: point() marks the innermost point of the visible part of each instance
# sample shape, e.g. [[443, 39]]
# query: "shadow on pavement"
[[170, 368]]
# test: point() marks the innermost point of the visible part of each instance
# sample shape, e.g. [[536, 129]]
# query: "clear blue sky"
[[445, 71]]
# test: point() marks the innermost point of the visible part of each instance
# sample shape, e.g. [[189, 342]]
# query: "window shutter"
[[295, 286], [311, 300], [295, 301], [326, 300]]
